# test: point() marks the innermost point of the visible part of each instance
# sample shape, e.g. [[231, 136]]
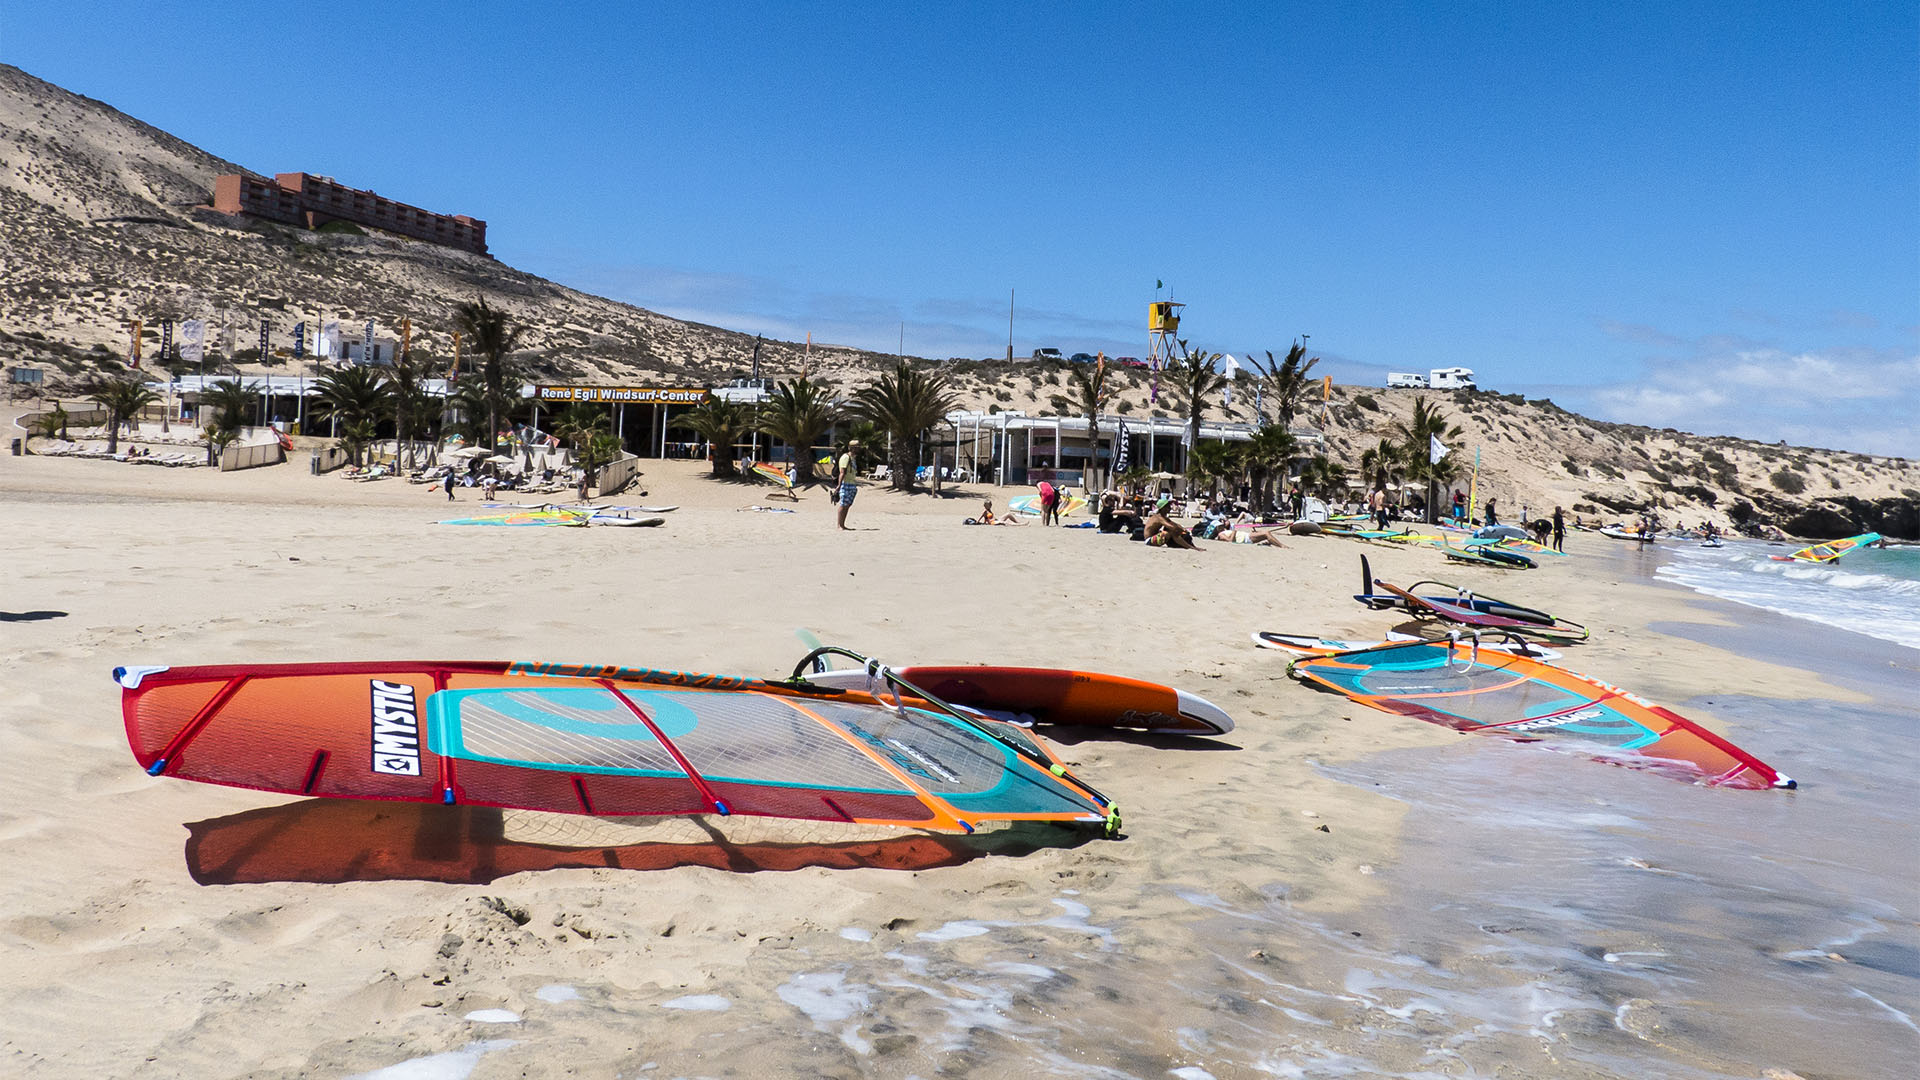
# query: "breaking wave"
[[1876, 593]]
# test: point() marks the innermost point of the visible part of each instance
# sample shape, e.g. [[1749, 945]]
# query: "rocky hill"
[[103, 219]]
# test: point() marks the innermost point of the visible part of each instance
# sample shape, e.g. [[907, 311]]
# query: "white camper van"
[[1451, 378], [1398, 379]]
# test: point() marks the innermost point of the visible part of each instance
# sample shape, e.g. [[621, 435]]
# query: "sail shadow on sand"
[[328, 841]]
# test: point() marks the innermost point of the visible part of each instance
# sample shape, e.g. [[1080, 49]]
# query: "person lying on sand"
[[987, 516]]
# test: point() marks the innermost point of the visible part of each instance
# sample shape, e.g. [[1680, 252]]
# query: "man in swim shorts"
[[846, 479]]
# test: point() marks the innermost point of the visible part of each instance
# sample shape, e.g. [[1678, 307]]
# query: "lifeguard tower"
[[1163, 330]]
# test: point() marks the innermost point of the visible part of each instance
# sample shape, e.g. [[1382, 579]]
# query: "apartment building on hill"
[[309, 201]]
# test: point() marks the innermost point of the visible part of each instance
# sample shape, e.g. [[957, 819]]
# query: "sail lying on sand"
[[1463, 686], [1462, 607], [603, 741]]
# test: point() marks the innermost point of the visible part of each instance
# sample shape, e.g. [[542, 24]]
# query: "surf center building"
[[1012, 448], [641, 414]]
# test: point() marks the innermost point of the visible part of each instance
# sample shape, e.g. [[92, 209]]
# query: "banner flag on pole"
[[166, 339], [1435, 449], [1233, 368], [193, 340], [133, 357], [1121, 455], [406, 339], [265, 341], [1473, 487], [299, 340]]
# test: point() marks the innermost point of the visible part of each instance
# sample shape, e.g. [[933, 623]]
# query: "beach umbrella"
[[470, 451]]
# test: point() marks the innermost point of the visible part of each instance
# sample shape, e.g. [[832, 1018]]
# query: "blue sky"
[[1689, 215]]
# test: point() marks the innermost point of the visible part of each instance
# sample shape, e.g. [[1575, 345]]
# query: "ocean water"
[[1874, 592], [1550, 915]]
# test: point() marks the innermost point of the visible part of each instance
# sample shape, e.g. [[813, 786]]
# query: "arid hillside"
[[104, 219]]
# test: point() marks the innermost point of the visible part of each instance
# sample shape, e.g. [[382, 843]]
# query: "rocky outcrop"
[[1845, 515]]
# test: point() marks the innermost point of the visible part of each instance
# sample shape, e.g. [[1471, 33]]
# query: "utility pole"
[[1009, 326]]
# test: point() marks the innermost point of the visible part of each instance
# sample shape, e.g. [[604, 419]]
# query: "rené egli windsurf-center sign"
[[622, 395]]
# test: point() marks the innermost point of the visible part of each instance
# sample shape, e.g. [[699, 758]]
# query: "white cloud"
[[1857, 399]]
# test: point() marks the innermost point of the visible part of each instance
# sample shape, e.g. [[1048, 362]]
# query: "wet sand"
[[159, 928]]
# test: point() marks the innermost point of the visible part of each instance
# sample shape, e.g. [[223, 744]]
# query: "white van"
[[1451, 378], [1399, 379]]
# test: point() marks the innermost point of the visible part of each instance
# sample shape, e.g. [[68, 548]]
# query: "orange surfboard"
[[1056, 696]]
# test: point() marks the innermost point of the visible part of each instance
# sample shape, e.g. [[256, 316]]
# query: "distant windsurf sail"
[[1463, 686], [553, 515], [1830, 551], [774, 473], [596, 740]]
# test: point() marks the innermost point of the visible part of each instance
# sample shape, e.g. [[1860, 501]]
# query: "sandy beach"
[[158, 928]]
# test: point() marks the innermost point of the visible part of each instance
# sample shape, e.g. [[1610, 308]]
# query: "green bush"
[[1788, 481], [1366, 401]]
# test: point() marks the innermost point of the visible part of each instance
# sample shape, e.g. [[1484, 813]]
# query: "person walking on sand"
[[1559, 530], [1492, 518], [450, 480], [846, 479]]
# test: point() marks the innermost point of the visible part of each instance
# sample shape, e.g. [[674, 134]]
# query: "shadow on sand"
[[328, 841], [30, 616]]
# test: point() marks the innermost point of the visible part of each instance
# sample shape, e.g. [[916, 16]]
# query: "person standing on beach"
[[1492, 519], [450, 479], [846, 480], [1377, 502], [1559, 530], [1049, 503]]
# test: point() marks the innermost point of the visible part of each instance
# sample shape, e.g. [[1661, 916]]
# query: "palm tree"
[[1382, 462], [356, 435], [1416, 438], [493, 334], [1194, 379], [229, 401], [796, 414], [1211, 463], [122, 399], [1288, 382], [49, 423], [1267, 455], [904, 404], [1090, 395], [412, 405], [582, 426], [720, 423], [1323, 476], [466, 411], [355, 396], [224, 408]]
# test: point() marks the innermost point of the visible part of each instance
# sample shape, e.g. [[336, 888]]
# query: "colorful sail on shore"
[[1462, 607], [1828, 552], [594, 740], [1461, 685]]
